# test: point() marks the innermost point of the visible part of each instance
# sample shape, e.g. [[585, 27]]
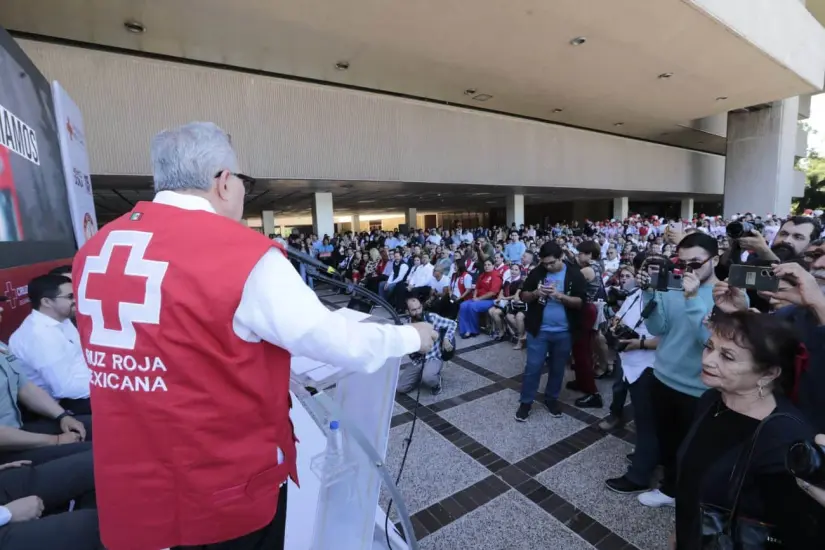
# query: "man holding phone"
[[555, 293], [678, 320]]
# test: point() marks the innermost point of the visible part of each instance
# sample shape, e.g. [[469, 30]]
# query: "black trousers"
[[41, 455], [674, 412], [77, 406], [56, 482], [270, 537]]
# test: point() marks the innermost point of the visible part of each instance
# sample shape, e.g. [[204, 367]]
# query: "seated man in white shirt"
[[421, 273], [48, 344], [439, 287]]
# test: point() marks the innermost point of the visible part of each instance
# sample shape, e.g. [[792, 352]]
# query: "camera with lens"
[[806, 460], [620, 332], [616, 295], [737, 229]]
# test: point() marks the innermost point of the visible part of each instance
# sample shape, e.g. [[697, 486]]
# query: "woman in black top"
[[750, 364]]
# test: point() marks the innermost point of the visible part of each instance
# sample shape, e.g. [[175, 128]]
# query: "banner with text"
[[75, 159]]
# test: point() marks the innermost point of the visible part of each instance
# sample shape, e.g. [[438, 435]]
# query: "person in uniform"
[[188, 320]]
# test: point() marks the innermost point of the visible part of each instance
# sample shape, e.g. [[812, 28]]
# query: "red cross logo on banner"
[[11, 294], [119, 288]]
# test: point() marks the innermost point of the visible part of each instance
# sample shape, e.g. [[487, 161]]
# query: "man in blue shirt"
[[555, 293], [514, 249], [679, 322]]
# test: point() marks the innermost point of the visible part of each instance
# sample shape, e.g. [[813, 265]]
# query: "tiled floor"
[[476, 478]]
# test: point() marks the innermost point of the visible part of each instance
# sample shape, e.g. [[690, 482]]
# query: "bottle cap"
[[333, 425]]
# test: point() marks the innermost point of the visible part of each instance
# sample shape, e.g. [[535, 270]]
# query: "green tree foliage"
[[814, 197]]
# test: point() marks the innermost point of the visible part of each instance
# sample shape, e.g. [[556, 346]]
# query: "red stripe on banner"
[[14, 285]]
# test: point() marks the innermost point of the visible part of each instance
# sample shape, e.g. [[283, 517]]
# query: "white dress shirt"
[[635, 362], [420, 275], [50, 355], [402, 272], [439, 286], [278, 307]]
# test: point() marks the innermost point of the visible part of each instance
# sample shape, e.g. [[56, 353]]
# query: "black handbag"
[[724, 529]]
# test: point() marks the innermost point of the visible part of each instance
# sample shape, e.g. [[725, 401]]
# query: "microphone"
[[300, 257]]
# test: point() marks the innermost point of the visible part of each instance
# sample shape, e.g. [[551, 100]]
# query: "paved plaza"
[[476, 478]]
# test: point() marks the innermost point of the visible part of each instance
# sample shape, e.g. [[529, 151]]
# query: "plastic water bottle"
[[335, 444]]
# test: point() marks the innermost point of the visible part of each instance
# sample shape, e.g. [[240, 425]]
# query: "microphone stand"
[[305, 395], [359, 291]]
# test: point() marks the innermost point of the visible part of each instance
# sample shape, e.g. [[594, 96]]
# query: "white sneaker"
[[656, 499]]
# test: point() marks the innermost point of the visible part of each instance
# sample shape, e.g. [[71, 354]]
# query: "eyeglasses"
[[692, 266], [248, 181], [69, 296]]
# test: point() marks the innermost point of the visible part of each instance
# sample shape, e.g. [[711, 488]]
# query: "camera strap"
[[633, 303]]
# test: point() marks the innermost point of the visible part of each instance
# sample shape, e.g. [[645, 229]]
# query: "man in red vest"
[[188, 320]]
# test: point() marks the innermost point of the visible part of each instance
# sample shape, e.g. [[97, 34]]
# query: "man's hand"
[[754, 242], [427, 335], [446, 345], [631, 344], [70, 424], [690, 284], [729, 298], [25, 509], [814, 492], [643, 279], [67, 438], [555, 294], [15, 464], [673, 236], [805, 291]]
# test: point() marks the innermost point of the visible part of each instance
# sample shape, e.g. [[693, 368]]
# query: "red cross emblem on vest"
[[119, 288]]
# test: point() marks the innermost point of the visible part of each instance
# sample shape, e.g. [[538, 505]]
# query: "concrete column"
[[621, 208], [686, 212], [410, 218], [323, 222], [356, 223], [759, 174], [515, 210], [268, 219]]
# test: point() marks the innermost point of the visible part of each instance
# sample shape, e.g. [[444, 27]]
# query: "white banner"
[[75, 164]]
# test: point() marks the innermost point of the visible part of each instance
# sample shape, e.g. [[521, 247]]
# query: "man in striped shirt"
[[427, 369]]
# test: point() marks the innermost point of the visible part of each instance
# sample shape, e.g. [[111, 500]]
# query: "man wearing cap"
[[188, 321]]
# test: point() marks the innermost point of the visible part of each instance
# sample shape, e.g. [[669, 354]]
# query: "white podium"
[[344, 515]]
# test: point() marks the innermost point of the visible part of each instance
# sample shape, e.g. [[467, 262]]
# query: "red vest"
[[191, 423], [460, 277]]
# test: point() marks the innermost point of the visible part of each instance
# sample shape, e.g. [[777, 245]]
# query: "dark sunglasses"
[[692, 266], [248, 181]]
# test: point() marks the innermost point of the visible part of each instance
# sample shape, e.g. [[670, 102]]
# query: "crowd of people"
[[725, 376], [713, 327]]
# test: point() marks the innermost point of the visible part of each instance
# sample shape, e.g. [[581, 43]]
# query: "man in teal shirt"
[[679, 322]]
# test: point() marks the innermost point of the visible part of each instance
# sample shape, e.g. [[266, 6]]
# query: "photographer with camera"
[[792, 238], [635, 346], [678, 319]]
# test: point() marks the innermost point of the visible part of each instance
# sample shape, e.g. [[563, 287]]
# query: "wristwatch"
[[63, 415], [642, 343]]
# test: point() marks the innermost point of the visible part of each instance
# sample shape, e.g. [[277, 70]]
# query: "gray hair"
[[188, 157]]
